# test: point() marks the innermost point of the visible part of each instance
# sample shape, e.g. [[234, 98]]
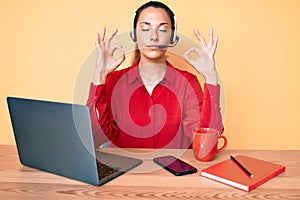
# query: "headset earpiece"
[[133, 31], [174, 38]]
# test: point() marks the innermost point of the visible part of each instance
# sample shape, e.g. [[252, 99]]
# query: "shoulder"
[[116, 75], [183, 73]]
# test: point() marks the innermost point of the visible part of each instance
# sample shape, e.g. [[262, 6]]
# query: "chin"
[[155, 54]]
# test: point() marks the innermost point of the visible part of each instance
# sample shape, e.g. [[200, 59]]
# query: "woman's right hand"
[[106, 63]]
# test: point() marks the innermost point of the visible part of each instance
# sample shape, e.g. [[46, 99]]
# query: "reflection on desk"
[[147, 181]]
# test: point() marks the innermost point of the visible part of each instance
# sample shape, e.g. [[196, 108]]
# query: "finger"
[[210, 42], [115, 47], [193, 49], [186, 56], [102, 36], [214, 46], [187, 53], [97, 40], [120, 59], [111, 36], [188, 59], [200, 38]]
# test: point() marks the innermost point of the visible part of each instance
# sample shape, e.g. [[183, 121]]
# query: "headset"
[[173, 40]]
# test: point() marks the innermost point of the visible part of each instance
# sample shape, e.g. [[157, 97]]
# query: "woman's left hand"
[[204, 63]]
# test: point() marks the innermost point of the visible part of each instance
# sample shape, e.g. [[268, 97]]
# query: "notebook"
[[228, 172], [57, 138]]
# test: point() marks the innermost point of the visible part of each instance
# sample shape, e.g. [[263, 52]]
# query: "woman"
[[152, 104]]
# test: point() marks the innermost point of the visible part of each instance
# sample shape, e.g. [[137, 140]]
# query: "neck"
[[152, 72]]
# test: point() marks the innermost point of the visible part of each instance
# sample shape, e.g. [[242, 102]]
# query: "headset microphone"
[[165, 46], [171, 45]]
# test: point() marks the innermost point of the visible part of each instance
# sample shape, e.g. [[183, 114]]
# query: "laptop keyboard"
[[105, 170]]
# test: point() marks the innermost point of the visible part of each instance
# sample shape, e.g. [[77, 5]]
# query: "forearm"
[[211, 78], [103, 125], [99, 76], [210, 109]]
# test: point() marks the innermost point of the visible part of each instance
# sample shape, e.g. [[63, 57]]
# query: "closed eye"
[[163, 30]]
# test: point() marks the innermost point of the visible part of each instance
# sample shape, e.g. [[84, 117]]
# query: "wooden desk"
[[20, 182]]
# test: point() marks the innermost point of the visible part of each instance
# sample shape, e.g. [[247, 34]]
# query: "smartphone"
[[175, 165]]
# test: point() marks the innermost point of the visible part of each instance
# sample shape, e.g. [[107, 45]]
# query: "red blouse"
[[123, 112]]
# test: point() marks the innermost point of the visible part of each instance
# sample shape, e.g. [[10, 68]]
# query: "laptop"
[[57, 138]]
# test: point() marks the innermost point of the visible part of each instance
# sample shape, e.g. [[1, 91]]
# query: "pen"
[[241, 166]]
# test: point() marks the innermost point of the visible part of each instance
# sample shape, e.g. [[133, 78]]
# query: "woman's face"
[[153, 30]]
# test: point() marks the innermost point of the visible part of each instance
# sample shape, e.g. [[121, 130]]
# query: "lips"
[[152, 46]]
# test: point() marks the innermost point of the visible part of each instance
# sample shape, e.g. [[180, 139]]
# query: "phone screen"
[[175, 165]]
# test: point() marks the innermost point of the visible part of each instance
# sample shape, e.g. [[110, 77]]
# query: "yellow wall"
[[43, 45]]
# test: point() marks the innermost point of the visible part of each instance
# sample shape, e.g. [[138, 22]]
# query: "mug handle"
[[224, 145]]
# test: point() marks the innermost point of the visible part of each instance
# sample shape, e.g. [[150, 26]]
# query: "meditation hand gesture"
[[106, 63], [204, 63]]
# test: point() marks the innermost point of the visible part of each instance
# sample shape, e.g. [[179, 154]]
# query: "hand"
[[106, 63], [204, 63]]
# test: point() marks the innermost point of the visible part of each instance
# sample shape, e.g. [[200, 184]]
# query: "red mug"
[[205, 143]]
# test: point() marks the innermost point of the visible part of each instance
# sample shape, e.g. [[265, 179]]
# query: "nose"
[[153, 35]]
